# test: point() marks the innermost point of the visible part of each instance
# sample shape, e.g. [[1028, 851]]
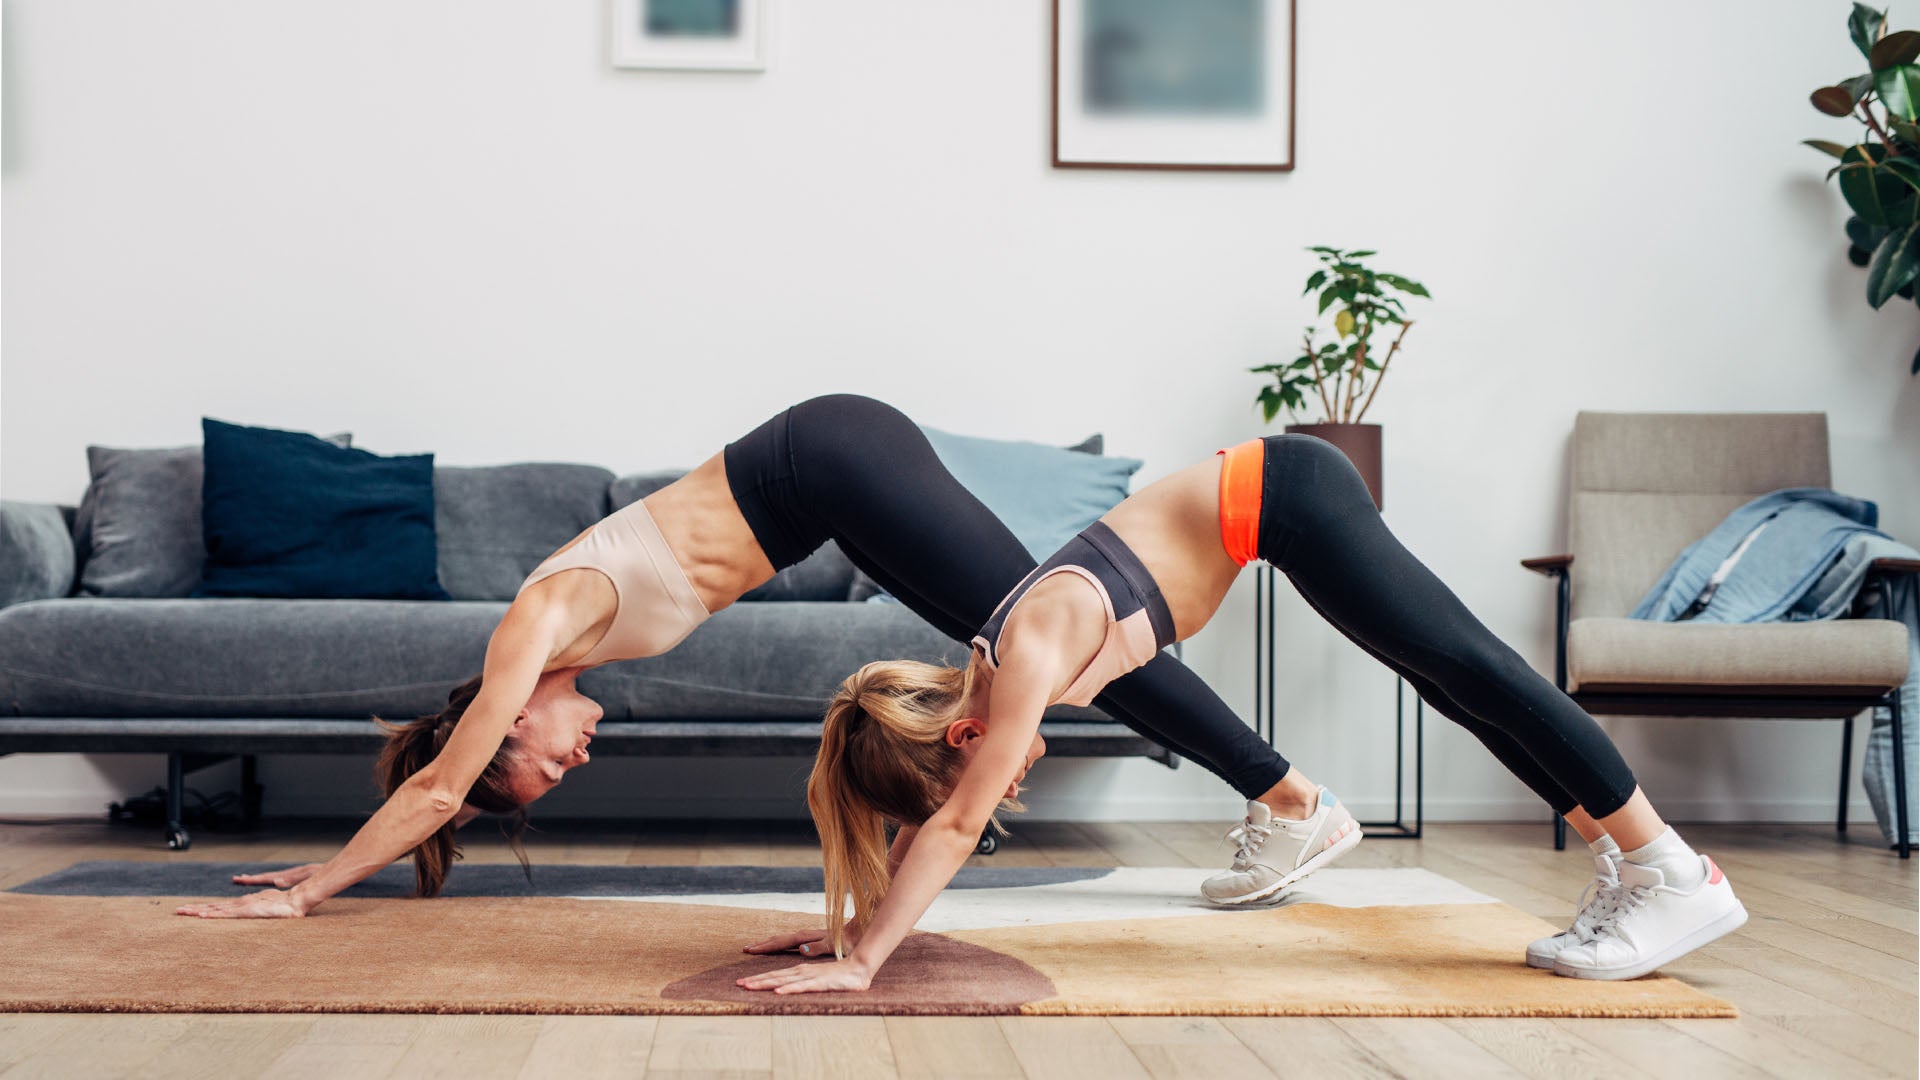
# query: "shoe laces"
[[1596, 904], [1248, 839], [1627, 899]]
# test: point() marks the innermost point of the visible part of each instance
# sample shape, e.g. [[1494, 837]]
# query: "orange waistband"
[[1242, 469]]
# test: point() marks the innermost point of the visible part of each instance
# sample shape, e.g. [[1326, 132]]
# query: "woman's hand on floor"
[[279, 879], [265, 904], [804, 942], [811, 978]]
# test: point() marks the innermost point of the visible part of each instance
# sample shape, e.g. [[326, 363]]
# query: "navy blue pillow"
[[294, 516]]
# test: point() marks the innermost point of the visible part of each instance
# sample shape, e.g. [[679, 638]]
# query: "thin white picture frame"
[[630, 46]]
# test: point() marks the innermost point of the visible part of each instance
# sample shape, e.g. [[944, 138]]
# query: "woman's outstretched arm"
[[429, 798], [811, 942], [942, 845]]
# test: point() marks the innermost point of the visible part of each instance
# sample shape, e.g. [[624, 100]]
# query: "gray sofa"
[[202, 680]]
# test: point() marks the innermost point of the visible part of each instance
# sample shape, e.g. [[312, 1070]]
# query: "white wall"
[[451, 226]]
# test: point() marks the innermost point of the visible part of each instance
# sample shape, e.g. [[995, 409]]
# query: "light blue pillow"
[[1045, 494]]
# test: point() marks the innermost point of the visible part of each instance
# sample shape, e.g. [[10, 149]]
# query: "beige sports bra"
[[655, 607]]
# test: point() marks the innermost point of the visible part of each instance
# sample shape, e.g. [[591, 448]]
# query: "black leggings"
[[1318, 525], [858, 472]]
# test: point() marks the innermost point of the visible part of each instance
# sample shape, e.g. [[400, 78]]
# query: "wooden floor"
[[1824, 975]]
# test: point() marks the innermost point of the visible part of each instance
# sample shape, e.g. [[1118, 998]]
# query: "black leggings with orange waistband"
[[859, 472], [1318, 525]]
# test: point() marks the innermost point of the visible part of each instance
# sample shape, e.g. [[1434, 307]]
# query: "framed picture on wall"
[[689, 35], [1173, 84]]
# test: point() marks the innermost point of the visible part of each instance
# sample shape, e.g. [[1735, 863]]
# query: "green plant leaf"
[[1905, 130], [1916, 364], [1864, 26], [1859, 256], [1832, 100], [1333, 292], [1407, 286], [1822, 145], [1859, 86], [1899, 89], [1894, 49], [1361, 254], [1906, 169], [1318, 279], [1325, 250], [1894, 265], [1877, 195]]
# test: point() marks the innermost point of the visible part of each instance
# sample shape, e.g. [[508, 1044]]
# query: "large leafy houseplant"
[[1341, 375], [1879, 174]]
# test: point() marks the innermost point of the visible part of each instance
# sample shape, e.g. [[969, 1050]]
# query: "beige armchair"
[[1644, 486]]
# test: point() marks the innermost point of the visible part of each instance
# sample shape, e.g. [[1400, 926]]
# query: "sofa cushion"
[[1044, 494], [249, 658], [1865, 653], [138, 526], [494, 524], [293, 516], [827, 574], [301, 659]]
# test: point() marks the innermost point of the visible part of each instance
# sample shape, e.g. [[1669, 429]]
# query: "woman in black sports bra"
[[842, 468], [939, 750]]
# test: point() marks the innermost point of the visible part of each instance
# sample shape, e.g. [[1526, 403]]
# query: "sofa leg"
[[1846, 771], [251, 792], [1559, 833], [177, 838]]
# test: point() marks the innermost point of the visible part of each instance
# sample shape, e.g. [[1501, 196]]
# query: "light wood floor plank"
[[1071, 1046], [225, 1046], [1188, 1048], [1775, 1050], [1538, 1048], [100, 1046], [955, 1046], [470, 1047], [1420, 1047], [1657, 1048], [1309, 1046], [569, 1047], [712, 1045], [832, 1048]]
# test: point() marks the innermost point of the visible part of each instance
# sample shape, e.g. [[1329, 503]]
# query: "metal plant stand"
[[1265, 714]]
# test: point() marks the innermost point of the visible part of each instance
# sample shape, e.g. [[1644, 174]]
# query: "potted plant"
[[1342, 375], [1880, 173]]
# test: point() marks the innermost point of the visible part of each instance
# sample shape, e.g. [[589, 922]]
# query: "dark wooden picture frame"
[[1285, 165]]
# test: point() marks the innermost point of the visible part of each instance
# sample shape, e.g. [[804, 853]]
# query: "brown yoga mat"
[[557, 955]]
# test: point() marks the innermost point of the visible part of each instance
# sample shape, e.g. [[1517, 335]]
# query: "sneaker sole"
[[1718, 928], [1270, 894]]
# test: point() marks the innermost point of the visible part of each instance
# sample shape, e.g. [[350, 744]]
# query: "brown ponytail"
[[883, 757], [410, 747]]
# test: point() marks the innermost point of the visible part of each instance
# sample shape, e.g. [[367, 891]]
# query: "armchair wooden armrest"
[[1894, 566], [1550, 565]]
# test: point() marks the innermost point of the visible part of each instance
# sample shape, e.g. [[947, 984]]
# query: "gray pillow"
[[36, 553], [864, 588], [494, 524], [138, 526]]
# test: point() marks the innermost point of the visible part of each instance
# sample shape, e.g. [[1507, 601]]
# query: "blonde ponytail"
[[883, 757]]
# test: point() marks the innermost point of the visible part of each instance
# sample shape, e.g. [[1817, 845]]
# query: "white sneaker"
[[1599, 898], [1652, 924], [1272, 853]]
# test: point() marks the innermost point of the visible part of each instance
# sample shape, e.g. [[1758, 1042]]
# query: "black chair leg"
[[1900, 779], [177, 838], [1559, 833], [1846, 770]]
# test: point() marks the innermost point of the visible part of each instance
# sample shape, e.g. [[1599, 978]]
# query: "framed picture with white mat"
[[1173, 84], [688, 35]]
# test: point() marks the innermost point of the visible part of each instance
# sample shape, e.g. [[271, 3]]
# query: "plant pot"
[[1361, 444]]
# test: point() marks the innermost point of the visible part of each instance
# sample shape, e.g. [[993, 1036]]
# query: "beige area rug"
[[1134, 941]]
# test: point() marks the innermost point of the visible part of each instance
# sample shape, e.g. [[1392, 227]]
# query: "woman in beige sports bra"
[[840, 468]]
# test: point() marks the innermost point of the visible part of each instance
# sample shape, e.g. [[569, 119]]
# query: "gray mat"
[[123, 878]]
